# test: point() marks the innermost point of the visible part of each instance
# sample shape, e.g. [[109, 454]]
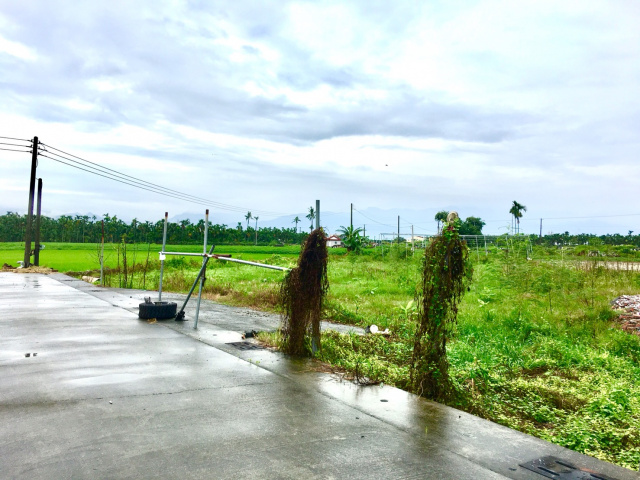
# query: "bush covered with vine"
[[446, 271], [302, 294]]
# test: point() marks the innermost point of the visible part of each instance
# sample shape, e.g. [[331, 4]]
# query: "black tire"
[[157, 310]]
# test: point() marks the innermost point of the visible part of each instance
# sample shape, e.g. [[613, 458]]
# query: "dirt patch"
[[32, 269]]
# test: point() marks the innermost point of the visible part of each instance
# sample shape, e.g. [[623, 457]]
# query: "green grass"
[[535, 347], [84, 256]]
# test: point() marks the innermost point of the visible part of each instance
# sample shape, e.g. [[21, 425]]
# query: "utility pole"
[[32, 186], [411, 239], [364, 234], [398, 229], [317, 213], [36, 248], [351, 222], [102, 256], [162, 256], [540, 228]]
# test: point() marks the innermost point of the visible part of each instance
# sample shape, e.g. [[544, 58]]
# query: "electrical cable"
[[375, 221], [150, 185], [19, 139], [592, 216], [115, 172], [14, 150], [115, 179], [134, 181]]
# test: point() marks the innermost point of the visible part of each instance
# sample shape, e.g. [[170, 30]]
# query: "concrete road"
[[87, 390]]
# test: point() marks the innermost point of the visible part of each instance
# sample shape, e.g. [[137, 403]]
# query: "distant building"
[[334, 241]]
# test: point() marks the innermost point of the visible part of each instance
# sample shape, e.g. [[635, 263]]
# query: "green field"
[[85, 256], [536, 345]]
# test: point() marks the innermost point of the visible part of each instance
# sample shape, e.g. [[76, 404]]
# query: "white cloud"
[[467, 104], [17, 49]]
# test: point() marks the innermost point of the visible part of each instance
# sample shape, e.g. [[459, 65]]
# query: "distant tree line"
[[88, 229], [562, 239]]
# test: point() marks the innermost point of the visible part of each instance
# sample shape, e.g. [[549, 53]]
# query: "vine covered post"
[[446, 271], [302, 295]]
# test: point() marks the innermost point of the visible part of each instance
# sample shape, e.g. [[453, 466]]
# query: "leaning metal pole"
[[255, 264], [204, 262], [180, 314], [227, 259], [164, 244]]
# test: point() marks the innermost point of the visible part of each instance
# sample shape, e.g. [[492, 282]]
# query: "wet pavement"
[[87, 390]]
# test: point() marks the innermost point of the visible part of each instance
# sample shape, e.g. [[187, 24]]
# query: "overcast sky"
[[268, 106]]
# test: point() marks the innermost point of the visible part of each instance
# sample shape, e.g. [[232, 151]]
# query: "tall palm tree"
[[248, 217], [311, 216], [516, 210], [441, 217], [296, 221]]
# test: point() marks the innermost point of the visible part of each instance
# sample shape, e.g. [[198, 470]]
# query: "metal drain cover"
[[245, 346], [553, 467]]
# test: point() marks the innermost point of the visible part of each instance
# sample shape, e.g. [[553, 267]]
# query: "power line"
[[118, 180], [19, 139], [375, 221], [14, 144], [14, 150], [135, 182], [593, 216], [537, 219], [115, 172]]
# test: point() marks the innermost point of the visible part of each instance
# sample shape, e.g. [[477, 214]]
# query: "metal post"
[[36, 249], [317, 213], [32, 186], [412, 245], [351, 223], [102, 255], [180, 314], [540, 228], [164, 244], [204, 262]]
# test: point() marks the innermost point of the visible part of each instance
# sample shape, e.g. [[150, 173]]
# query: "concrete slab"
[[236, 319], [111, 396]]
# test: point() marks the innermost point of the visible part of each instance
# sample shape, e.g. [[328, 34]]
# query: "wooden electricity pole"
[[32, 186], [36, 248]]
